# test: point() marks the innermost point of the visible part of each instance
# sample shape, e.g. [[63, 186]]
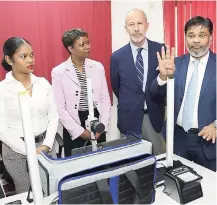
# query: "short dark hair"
[[70, 36], [9, 49], [199, 20]]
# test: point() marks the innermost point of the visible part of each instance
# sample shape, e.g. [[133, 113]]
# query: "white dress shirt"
[[144, 54], [201, 70], [43, 109]]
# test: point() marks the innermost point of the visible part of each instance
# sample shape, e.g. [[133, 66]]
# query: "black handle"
[[135, 182], [104, 191]]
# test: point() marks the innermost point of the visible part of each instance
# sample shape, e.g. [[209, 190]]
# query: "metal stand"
[[29, 138], [170, 122], [92, 123], [181, 182]]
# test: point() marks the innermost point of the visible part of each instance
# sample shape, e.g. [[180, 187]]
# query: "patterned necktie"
[[140, 66], [188, 109]]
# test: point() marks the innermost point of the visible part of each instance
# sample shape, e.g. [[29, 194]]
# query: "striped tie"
[[139, 66], [189, 104]]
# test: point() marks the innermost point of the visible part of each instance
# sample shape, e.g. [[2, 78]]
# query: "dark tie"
[[140, 67]]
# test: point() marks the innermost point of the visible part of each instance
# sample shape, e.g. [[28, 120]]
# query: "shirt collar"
[[9, 77], [87, 63], [134, 48], [203, 60]]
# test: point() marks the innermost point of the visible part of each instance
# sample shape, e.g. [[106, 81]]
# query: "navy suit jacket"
[[130, 96], [207, 100]]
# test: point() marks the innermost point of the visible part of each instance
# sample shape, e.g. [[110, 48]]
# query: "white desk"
[[208, 185]]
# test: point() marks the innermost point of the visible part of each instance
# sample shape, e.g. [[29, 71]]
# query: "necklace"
[[29, 86]]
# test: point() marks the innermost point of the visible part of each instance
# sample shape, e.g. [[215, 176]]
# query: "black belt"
[[145, 111], [38, 138], [191, 131]]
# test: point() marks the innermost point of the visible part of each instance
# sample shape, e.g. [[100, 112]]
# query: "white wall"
[[119, 8], [153, 10]]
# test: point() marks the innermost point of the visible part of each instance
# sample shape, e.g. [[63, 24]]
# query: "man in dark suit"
[[133, 69], [195, 93]]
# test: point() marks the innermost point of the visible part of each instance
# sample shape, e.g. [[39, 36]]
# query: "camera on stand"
[[96, 126]]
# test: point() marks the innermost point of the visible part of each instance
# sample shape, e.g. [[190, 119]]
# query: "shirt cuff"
[[161, 82]]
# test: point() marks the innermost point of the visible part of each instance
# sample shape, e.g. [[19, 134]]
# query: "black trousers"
[[70, 144], [190, 147]]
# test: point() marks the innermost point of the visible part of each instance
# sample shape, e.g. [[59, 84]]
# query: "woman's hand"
[[86, 135], [42, 148]]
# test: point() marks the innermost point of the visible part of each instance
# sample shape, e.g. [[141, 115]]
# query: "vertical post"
[[90, 98], [30, 147], [170, 107], [170, 122], [176, 31], [91, 111]]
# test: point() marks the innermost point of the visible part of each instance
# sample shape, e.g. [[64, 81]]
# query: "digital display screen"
[[187, 176]]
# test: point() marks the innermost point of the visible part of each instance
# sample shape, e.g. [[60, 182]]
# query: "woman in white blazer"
[[19, 61]]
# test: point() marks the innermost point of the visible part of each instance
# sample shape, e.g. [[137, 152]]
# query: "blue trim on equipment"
[[113, 186], [97, 151], [103, 171]]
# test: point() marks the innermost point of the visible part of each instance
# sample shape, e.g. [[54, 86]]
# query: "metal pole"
[[30, 147], [170, 122], [91, 111], [170, 107]]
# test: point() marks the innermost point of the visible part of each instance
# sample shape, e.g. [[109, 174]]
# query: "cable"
[[161, 159], [54, 200], [84, 147], [2, 187]]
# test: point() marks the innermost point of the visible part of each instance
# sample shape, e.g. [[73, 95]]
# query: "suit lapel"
[[210, 67], [183, 73], [70, 71], [150, 56], [88, 67]]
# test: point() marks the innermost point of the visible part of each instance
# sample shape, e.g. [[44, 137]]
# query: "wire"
[[54, 200], [84, 147], [161, 159], [2, 187]]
